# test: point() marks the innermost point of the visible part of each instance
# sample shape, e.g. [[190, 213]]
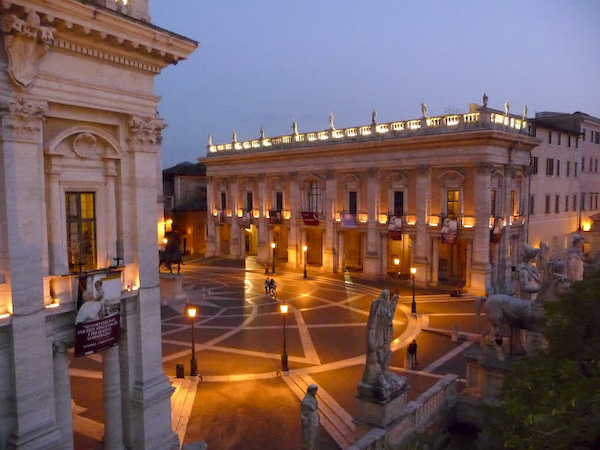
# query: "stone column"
[[435, 261], [294, 202], [110, 173], [56, 225], [151, 393], [420, 243], [468, 263], [342, 250], [263, 251], [481, 268], [111, 385], [235, 240], [62, 392], [21, 201], [372, 256], [211, 222], [329, 208], [384, 253]]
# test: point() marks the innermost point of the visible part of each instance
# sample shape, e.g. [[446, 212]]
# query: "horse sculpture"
[[171, 254]]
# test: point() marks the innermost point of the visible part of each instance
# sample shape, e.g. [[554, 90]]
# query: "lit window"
[[452, 204], [81, 231]]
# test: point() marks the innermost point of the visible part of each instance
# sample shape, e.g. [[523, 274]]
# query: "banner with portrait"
[[348, 220], [449, 232], [98, 318], [275, 216], [245, 219], [395, 228], [220, 217]]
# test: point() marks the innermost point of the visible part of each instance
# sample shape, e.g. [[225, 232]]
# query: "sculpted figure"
[[506, 107], [485, 100], [309, 417], [424, 109], [295, 127], [262, 133], [575, 259], [234, 138], [374, 118], [529, 275], [377, 382], [331, 126], [524, 112]]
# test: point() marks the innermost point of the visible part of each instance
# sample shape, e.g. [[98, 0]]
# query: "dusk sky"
[[267, 62]]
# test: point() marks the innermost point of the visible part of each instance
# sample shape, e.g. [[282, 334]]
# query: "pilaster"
[[481, 267], [420, 242], [329, 208], [372, 259]]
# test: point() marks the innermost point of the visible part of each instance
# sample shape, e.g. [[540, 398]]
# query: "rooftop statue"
[[485, 100], [524, 112], [377, 381], [331, 126], [424, 109], [234, 136], [506, 107], [374, 118], [262, 133], [295, 127]]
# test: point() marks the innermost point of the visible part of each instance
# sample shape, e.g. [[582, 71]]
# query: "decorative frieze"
[[22, 118], [26, 42]]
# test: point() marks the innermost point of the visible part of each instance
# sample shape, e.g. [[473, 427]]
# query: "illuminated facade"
[[446, 195], [565, 180], [80, 192]]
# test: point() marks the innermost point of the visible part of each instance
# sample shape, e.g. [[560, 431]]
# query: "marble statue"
[[575, 259], [262, 133], [331, 126], [506, 107], [295, 127], [234, 136], [424, 109], [530, 278], [485, 100], [377, 381], [524, 112], [210, 143], [309, 417], [374, 117]]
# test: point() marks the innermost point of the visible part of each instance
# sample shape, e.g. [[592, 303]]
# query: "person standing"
[[267, 285], [412, 354]]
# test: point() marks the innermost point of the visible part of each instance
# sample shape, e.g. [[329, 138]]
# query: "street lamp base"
[[193, 368], [284, 362]]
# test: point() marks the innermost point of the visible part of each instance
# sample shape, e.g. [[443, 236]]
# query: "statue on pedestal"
[[377, 381], [575, 259], [309, 416]]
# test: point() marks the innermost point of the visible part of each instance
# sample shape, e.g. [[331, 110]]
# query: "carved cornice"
[[22, 118], [146, 133], [26, 42]]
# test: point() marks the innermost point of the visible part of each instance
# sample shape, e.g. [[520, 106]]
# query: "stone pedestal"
[[171, 288], [379, 414]]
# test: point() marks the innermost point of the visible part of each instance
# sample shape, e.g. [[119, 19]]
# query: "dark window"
[[352, 202], [568, 168], [493, 203], [549, 137], [583, 135], [567, 202], [559, 138], [547, 210], [452, 204], [556, 203], [279, 201], [558, 167], [549, 166], [568, 140], [582, 202], [513, 203], [81, 230], [591, 166], [576, 142], [249, 202], [534, 165], [575, 168], [597, 140], [532, 204], [574, 202], [223, 200], [582, 165], [596, 200], [314, 197], [398, 203], [596, 165]]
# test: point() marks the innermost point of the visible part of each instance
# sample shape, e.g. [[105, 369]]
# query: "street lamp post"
[[283, 307], [305, 249], [273, 247], [413, 306], [191, 311]]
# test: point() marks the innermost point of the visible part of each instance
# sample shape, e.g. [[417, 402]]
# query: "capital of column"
[[110, 168], [146, 133], [373, 172], [60, 347], [423, 169], [53, 166], [484, 168], [22, 118]]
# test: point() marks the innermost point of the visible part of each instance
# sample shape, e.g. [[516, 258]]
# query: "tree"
[[551, 400]]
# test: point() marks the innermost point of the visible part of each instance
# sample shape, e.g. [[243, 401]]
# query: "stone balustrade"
[[442, 124]]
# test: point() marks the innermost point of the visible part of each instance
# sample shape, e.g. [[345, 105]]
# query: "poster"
[[449, 231], [395, 228], [245, 219], [310, 218], [348, 220], [98, 319], [274, 216]]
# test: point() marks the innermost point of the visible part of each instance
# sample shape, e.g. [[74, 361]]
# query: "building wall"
[[78, 114], [424, 162]]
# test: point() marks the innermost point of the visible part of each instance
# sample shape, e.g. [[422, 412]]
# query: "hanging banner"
[[310, 218], [98, 319], [449, 231], [348, 220], [496, 233], [395, 228], [220, 217], [245, 219], [274, 216]]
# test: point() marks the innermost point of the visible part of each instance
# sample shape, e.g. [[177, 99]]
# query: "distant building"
[[446, 195], [565, 180], [79, 201], [184, 187]]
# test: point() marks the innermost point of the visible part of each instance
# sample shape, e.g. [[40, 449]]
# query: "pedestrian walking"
[[273, 287], [412, 354], [267, 285]]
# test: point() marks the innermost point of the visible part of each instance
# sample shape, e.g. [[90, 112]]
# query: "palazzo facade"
[[446, 195], [80, 196]]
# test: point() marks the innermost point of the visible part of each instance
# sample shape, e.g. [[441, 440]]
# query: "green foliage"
[[551, 400]]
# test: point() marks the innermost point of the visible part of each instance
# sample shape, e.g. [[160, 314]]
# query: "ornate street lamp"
[[273, 247], [413, 307], [191, 312], [283, 307], [305, 249]]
